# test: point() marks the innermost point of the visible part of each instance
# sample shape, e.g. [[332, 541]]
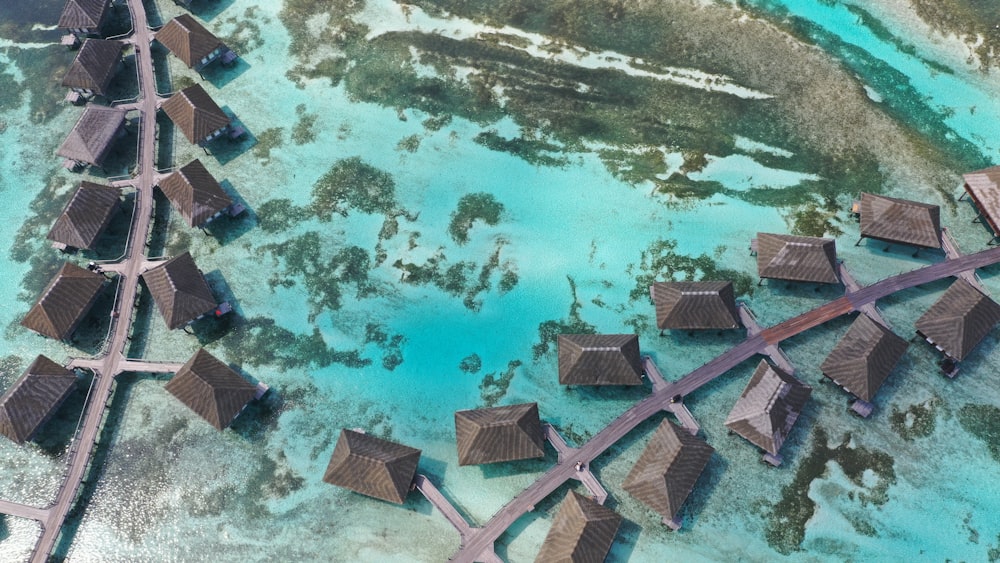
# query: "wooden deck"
[[566, 454], [777, 355], [653, 373], [684, 416], [451, 514], [851, 285], [951, 250]]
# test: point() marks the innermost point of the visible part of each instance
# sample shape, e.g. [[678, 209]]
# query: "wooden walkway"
[[126, 365], [755, 344], [584, 474], [851, 285], [777, 355], [653, 373], [434, 496], [684, 416], [23, 511], [951, 250]]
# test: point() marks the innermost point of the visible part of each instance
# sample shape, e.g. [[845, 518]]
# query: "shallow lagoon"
[[575, 235]]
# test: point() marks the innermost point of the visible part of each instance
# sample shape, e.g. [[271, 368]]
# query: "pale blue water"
[[173, 488]]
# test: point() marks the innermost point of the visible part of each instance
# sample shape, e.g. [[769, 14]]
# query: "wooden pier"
[[951, 250], [851, 285]]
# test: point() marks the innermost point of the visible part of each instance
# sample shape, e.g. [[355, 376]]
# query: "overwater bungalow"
[[795, 258], [180, 291], [599, 359], [85, 216], [195, 194], [863, 359], [64, 302], [93, 135], [196, 114], [695, 305], [582, 530], [768, 408], [84, 17], [957, 322], [211, 389], [982, 187], [372, 466], [32, 400], [95, 65], [667, 471], [900, 221], [499, 434], [190, 42]]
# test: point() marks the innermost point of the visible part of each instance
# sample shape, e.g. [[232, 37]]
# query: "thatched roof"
[[582, 531], [180, 291], [188, 40], [900, 220], [864, 357], [668, 469], [211, 389], [94, 66], [92, 136], [982, 185], [695, 305], [766, 411], [789, 257], [599, 359], [195, 193], [195, 113], [85, 216], [372, 466], [959, 320], [499, 434], [84, 14], [64, 302], [34, 398]]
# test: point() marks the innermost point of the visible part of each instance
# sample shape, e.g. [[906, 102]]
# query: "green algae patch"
[[352, 183], [494, 386], [973, 20], [633, 166], [268, 140], [983, 422], [549, 330], [458, 279], [437, 123], [304, 130], [295, 15], [530, 150], [244, 34], [917, 421], [471, 364], [409, 144], [277, 215], [260, 341], [390, 346], [813, 221], [661, 262], [786, 520], [474, 207]]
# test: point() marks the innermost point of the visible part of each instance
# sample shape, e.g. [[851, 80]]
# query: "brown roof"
[[85, 216], [195, 113], [195, 193], [499, 434], [766, 411], [959, 320], [900, 220], [788, 257], [91, 137], [864, 357], [695, 305], [668, 469], [188, 40], [180, 291], [34, 398], [64, 302], [211, 389], [599, 359], [83, 14], [982, 186], [94, 66], [582, 531], [372, 466]]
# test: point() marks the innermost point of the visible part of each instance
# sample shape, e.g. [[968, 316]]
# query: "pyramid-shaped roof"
[[668, 469], [83, 14], [789, 257], [900, 220], [499, 434], [91, 137], [960, 319], [64, 302], [864, 357], [982, 185], [599, 359], [582, 531], [195, 193], [695, 305], [372, 466], [34, 398], [195, 113], [180, 291], [188, 40], [766, 411], [211, 389], [85, 216], [94, 66]]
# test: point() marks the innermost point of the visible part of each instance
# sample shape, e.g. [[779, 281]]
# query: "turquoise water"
[[351, 344]]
